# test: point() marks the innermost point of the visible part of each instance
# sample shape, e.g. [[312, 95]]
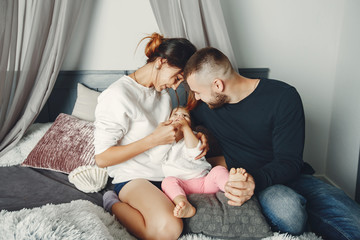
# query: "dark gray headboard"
[[63, 96], [357, 191]]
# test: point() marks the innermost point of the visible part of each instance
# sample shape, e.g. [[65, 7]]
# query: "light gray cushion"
[[85, 104], [215, 218]]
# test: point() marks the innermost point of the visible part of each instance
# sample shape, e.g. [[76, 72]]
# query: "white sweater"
[[179, 161], [127, 112]]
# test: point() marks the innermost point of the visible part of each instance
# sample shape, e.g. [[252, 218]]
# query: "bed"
[[39, 202]]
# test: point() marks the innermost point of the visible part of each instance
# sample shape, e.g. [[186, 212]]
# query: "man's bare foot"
[[184, 210], [237, 174]]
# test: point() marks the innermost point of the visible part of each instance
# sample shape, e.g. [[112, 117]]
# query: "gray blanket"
[[24, 187]]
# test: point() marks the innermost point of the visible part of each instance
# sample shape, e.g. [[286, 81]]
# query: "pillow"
[[216, 218], [85, 104], [89, 179], [67, 145]]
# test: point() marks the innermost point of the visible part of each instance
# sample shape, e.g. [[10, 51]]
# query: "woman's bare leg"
[[146, 212], [135, 225]]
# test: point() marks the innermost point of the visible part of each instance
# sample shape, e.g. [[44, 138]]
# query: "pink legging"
[[211, 183]]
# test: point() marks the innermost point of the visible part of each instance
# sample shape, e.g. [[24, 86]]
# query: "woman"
[[131, 119]]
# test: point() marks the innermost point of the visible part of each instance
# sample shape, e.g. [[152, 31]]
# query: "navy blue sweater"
[[263, 133]]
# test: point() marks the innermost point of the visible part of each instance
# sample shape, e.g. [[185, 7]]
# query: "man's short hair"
[[209, 61]]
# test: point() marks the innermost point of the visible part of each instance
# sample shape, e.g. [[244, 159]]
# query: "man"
[[260, 126]]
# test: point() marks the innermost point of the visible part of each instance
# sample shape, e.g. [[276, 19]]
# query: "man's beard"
[[218, 100]]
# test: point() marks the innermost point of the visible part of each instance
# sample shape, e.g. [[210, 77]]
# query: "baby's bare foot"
[[237, 174], [184, 210]]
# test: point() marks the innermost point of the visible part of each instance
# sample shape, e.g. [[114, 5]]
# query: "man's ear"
[[218, 85]]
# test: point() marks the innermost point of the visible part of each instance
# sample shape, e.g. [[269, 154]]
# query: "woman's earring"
[[156, 66]]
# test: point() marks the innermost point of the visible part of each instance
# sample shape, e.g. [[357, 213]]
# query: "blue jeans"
[[327, 210]]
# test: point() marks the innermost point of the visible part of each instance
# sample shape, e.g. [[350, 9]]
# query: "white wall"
[[344, 142], [298, 41], [108, 33]]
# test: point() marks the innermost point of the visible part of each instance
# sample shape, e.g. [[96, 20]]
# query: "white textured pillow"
[[85, 104], [88, 178]]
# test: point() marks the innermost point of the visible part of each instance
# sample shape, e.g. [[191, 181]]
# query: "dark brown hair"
[[176, 51]]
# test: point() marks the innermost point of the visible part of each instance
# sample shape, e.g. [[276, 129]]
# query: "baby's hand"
[[180, 123]]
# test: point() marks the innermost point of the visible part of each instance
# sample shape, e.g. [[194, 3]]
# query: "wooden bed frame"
[[64, 93]]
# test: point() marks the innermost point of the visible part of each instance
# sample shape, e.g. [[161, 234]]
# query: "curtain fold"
[[200, 21], [34, 38]]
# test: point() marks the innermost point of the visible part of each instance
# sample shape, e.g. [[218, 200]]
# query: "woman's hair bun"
[[176, 51], [155, 40]]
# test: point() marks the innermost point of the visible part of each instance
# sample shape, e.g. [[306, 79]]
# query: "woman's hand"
[[204, 145], [163, 134]]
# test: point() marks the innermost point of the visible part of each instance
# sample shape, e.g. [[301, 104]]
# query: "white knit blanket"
[[79, 219]]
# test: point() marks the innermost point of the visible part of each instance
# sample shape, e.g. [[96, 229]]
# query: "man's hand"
[[204, 145], [238, 192]]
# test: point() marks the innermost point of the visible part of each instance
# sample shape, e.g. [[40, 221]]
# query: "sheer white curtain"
[[200, 21], [34, 36]]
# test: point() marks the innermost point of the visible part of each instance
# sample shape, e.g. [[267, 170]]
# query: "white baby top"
[[127, 112], [179, 161]]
